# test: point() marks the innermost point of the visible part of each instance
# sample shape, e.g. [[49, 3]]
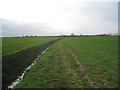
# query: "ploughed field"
[[70, 62]]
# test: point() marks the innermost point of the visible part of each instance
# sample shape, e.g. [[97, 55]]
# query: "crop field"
[[70, 62]]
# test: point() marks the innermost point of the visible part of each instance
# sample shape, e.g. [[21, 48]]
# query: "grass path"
[[53, 70], [61, 69]]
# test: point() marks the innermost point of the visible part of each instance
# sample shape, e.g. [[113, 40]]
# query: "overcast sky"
[[56, 17]]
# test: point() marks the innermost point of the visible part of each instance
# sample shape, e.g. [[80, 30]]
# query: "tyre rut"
[[85, 76]]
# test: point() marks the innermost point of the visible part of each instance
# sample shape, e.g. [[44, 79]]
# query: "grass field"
[[12, 45], [76, 62], [14, 63], [0, 46]]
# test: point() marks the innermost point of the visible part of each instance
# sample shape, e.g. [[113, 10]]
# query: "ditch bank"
[[14, 65]]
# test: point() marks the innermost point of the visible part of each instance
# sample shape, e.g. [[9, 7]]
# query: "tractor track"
[[85, 76]]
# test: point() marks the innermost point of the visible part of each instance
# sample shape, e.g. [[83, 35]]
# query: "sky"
[[57, 17]]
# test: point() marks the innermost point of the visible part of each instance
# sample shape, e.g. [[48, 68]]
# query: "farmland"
[[12, 45], [23, 52], [76, 62]]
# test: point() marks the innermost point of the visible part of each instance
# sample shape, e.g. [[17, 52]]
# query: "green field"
[[0, 46], [12, 45], [76, 62], [19, 53]]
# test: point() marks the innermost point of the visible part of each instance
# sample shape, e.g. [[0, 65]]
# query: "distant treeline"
[[72, 35]]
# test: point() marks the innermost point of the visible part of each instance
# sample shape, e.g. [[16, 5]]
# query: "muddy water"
[[20, 78]]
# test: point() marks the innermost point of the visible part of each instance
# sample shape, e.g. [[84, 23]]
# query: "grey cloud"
[[11, 28]]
